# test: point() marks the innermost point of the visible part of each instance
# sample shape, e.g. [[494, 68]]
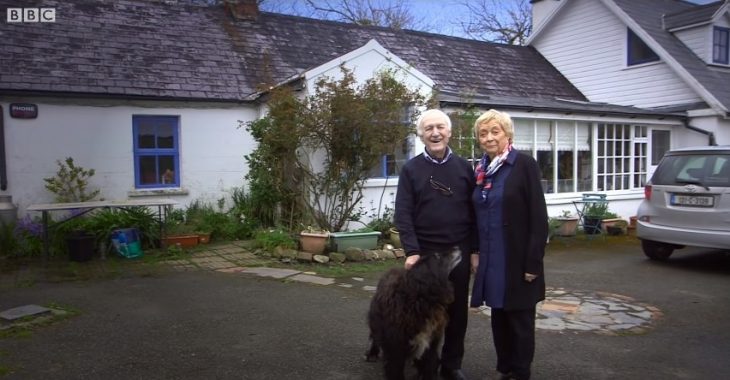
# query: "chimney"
[[243, 9]]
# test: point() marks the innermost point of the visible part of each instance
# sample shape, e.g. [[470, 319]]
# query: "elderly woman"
[[433, 213], [512, 222]]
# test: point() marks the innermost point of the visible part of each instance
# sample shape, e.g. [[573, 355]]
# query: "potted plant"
[[593, 214], [313, 240], [610, 219], [181, 235], [566, 224], [395, 237], [203, 236], [618, 227], [364, 238], [384, 224]]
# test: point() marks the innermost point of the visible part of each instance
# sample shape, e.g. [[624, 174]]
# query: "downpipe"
[[710, 136]]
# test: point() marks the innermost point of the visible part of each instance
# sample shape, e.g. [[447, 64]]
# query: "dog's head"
[[440, 264], [453, 258]]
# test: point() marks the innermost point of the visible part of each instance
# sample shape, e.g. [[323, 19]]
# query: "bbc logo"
[[31, 15]]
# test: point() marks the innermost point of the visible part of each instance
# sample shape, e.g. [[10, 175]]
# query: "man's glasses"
[[440, 187]]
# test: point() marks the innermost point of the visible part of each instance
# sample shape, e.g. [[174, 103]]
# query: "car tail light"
[[647, 192]]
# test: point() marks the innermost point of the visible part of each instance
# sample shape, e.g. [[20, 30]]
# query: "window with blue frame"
[[391, 162], [720, 45], [637, 51], [156, 151]]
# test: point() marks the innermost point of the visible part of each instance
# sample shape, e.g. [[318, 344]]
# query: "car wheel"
[[655, 250]]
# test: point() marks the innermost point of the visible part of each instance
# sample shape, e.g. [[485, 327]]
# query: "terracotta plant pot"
[[567, 227], [182, 241], [313, 242], [203, 238]]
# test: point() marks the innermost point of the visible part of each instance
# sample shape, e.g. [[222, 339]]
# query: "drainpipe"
[[711, 136], [3, 172]]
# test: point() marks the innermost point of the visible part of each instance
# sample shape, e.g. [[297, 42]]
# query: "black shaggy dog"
[[408, 315]]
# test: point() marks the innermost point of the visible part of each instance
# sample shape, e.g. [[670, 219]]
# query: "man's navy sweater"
[[426, 218]]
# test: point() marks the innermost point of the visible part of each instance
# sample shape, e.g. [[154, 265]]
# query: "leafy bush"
[[383, 223], [334, 138], [596, 209], [270, 239], [101, 224], [204, 218]]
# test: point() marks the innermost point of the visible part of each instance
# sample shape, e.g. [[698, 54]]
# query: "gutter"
[[710, 135]]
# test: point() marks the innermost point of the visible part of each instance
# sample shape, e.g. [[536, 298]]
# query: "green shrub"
[[101, 224], [270, 239]]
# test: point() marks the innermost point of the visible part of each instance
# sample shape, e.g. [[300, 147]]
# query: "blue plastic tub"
[[127, 243]]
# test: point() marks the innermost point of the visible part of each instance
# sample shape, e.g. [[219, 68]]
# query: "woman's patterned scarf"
[[484, 175]]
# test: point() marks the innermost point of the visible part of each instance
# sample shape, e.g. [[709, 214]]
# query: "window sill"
[[149, 192], [380, 182], [643, 64]]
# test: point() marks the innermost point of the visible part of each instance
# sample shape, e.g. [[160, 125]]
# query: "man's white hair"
[[431, 112]]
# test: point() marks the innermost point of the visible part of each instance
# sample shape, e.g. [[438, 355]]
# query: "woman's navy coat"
[[525, 224]]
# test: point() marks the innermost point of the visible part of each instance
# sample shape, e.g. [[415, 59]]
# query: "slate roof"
[[648, 14], [691, 16], [137, 48]]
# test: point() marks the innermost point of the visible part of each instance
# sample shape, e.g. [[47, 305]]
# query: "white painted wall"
[[699, 40], [594, 59], [100, 137]]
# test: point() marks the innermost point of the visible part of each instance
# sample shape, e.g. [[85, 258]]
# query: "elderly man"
[[434, 213]]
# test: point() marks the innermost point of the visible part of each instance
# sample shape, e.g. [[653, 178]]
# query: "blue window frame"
[[391, 162], [720, 45], [156, 151], [638, 51]]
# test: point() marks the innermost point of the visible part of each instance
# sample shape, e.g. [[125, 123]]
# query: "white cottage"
[[150, 95]]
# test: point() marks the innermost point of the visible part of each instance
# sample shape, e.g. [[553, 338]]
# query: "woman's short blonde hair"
[[431, 112], [502, 118]]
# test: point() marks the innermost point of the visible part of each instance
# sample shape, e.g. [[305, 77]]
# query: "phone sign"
[[23, 110]]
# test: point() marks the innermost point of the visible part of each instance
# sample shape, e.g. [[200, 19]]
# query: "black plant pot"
[[592, 225], [80, 246]]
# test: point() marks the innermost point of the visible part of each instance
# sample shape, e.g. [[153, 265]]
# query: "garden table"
[[85, 207]]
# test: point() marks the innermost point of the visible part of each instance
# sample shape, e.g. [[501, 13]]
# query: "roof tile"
[[141, 48]]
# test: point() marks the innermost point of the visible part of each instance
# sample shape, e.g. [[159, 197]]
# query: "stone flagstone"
[[19, 312], [312, 279], [577, 311], [271, 272]]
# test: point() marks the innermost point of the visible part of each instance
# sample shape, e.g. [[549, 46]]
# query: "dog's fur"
[[408, 315]]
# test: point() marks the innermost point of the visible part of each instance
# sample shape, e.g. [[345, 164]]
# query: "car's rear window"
[[702, 169]]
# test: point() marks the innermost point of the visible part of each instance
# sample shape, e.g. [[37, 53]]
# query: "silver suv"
[[686, 202]]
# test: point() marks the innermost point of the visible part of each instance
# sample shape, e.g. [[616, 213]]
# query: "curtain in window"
[[524, 134]]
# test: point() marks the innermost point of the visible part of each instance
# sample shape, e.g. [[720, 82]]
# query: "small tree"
[[348, 129], [315, 154], [71, 182]]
